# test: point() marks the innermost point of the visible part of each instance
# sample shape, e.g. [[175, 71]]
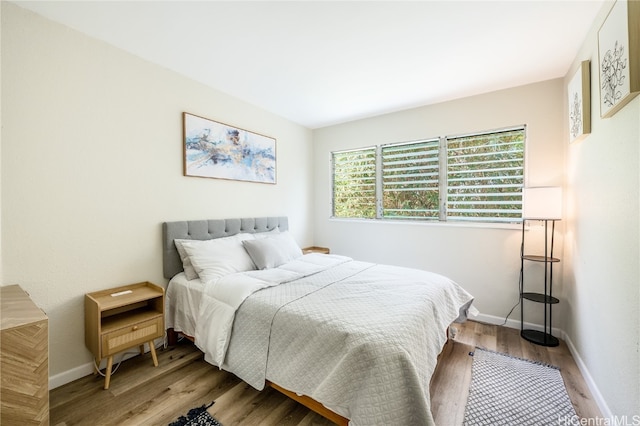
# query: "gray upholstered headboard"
[[208, 230]]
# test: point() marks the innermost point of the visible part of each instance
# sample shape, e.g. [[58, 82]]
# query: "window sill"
[[435, 223]]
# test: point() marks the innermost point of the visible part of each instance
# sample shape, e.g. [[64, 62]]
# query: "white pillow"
[[212, 259], [273, 251], [189, 272], [259, 235]]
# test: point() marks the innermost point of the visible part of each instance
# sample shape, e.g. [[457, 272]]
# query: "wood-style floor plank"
[[452, 377], [141, 394]]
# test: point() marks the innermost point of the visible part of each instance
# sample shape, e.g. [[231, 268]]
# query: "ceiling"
[[319, 63]]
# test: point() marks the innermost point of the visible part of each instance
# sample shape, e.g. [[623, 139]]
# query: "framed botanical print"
[[619, 57], [579, 97]]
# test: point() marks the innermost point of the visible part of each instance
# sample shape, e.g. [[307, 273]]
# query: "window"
[[476, 177], [354, 183], [410, 180], [485, 176]]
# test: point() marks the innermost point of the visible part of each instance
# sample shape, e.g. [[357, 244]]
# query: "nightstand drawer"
[[133, 335]]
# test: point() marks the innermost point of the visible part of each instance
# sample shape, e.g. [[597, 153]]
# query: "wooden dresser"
[[24, 359]]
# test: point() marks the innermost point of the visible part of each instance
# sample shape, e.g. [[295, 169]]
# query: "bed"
[[355, 341]]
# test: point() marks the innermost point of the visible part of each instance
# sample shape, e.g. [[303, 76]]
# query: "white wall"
[[1, 150], [92, 165], [602, 246], [484, 260]]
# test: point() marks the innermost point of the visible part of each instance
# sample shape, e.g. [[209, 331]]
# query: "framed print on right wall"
[[619, 57], [579, 97]]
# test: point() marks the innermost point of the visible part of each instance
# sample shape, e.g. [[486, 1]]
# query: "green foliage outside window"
[[410, 180], [485, 176], [354, 183]]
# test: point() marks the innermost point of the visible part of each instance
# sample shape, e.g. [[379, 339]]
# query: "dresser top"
[[17, 308]]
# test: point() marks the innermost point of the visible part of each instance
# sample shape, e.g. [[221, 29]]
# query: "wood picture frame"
[[619, 57], [579, 97], [217, 150]]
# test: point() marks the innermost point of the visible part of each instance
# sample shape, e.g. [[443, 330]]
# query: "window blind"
[[485, 176], [410, 184], [477, 177], [354, 183]]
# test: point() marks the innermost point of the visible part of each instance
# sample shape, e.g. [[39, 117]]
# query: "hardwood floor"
[[143, 395]]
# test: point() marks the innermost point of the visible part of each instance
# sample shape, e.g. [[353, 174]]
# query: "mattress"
[[182, 301]]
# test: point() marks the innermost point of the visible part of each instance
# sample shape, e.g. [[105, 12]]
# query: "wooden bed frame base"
[[310, 403]]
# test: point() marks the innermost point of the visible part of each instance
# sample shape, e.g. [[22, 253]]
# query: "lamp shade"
[[542, 203]]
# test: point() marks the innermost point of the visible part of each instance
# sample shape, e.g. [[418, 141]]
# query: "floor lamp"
[[543, 204]]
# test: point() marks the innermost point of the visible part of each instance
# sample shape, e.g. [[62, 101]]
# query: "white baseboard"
[[86, 369], [70, 375], [597, 396], [511, 323]]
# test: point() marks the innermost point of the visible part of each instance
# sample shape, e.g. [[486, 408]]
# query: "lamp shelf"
[[545, 337], [540, 338], [536, 258], [540, 298]]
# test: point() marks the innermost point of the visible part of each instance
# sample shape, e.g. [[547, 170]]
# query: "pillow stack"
[[210, 260]]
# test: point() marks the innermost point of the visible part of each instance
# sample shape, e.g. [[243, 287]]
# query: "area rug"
[[197, 417], [506, 390]]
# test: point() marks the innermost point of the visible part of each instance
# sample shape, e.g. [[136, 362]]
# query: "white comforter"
[[361, 338]]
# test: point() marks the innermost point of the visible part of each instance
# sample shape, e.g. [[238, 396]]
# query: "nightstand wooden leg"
[[142, 349], [152, 348], [96, 366], [107, 375]]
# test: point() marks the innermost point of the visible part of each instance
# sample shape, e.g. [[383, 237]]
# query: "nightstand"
[[121, 318], [315, 249]]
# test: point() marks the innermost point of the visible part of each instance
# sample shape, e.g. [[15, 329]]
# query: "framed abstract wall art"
[[579, 97], [619, 57], [217, 150]]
